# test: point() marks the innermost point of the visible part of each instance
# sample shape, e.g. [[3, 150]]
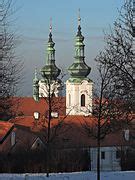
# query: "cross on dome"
[[79, 18]]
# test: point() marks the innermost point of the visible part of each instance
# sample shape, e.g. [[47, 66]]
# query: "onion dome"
[[50, 70], [79, 69]]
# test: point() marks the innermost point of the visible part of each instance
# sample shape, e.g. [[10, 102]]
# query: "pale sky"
[[32, 24]]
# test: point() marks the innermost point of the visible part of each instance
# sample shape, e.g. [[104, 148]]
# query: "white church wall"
[[44, 89], [73, 98]]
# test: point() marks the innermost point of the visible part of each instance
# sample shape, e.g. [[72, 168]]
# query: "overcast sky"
[[32, 24]]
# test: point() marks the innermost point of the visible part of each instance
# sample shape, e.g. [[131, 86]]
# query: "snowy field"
[[71, 176]]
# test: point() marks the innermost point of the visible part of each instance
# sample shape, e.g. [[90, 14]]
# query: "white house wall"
[[110, 163]]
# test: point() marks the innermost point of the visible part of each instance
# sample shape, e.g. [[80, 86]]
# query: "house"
[[67, 132], [6, 129], [31, 135]]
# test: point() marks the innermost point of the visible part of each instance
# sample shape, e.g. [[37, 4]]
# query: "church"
[[78, 86]]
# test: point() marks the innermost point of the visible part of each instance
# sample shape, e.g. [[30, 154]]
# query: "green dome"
[[50, 70], [79, 69]]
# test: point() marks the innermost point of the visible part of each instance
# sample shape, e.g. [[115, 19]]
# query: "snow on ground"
[[128, 175]]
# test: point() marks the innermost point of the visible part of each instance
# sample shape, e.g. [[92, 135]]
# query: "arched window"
[[82, 100], [69, 100]]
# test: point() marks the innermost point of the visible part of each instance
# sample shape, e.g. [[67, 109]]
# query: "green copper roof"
[[79, 69], [50, 70], [79, 80]]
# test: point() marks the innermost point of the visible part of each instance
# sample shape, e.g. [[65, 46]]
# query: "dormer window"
[[82, 100]]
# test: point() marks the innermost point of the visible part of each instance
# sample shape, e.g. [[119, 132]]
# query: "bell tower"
[[50, 71], [79, 86]]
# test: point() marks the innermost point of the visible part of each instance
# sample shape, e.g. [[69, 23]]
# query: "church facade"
[[78, 86]]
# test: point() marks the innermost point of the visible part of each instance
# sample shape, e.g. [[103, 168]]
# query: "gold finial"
[[79, 18], [50, 25]]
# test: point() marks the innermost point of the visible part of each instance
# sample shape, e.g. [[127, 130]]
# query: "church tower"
[[50, 72], [79, 86]]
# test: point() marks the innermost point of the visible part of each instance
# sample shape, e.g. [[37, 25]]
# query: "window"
[[117, 154], [82, 100], [102, 155]]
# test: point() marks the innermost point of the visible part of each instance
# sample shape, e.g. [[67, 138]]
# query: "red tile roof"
[[28, 122], [5, 128], [26, 106], [71, 132], [74, 135]]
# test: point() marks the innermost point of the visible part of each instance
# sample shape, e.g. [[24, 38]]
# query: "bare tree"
[[52, 129], [121, 53], [109, 112], [114, 99], [10, 68]]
